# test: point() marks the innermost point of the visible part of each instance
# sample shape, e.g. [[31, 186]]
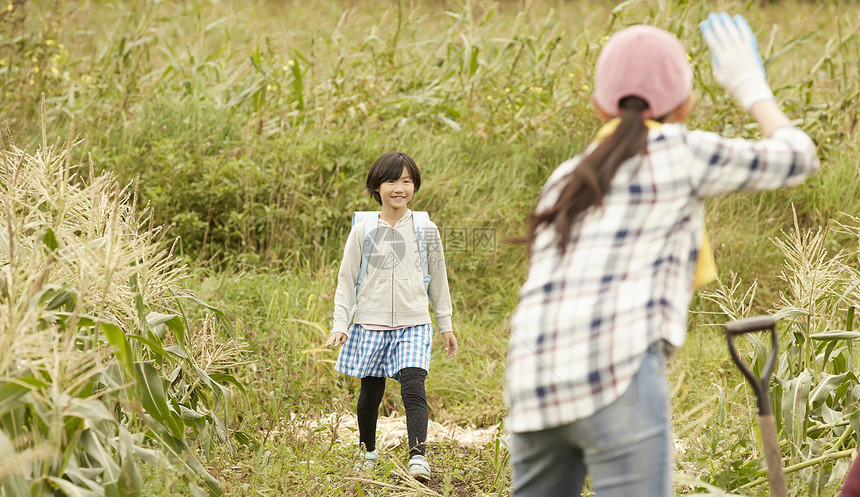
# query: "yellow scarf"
[[706, 267]]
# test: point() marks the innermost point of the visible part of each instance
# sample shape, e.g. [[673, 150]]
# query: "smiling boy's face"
[[396, 194]]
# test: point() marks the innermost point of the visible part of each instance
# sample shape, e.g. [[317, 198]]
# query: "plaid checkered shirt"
[[586, 318]]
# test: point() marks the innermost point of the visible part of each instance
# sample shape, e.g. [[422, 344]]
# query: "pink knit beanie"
[[645, 62]]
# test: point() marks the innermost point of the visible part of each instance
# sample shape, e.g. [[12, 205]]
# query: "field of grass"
[[246, 129]]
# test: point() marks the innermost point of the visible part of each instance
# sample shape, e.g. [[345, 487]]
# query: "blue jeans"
[[626, 447]]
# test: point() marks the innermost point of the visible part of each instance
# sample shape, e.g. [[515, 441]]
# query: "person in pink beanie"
[[614, 242]]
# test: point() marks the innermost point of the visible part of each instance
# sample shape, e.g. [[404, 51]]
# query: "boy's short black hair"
[[388, 167]]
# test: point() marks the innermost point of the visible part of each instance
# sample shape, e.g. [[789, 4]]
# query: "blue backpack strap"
[[371, 222], [420, 221]]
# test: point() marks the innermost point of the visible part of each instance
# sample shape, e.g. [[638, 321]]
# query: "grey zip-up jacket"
[[392, 293]]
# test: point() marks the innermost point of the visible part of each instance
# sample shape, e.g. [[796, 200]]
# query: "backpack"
[[420, 219]]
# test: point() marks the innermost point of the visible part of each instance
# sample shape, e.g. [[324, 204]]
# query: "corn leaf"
[[15, 484], [4, 244], [190, 414], [94, 412], [138, 300], [154, 400], [824, 388], [849, 319], [62, 298], [794, 407], [227, 378], [70, 450], [221, 315], [120, 346], [153, 346], [49, 239], [71, 489], [129, 483], [156, 322], [836, 335], [96, 451], [177, 351], [10, 393], [181, 452], [85, 476], [82, 320]]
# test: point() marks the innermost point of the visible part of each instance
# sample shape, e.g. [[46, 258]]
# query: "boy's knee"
[[412, 382], [412, 375], [372, 390]]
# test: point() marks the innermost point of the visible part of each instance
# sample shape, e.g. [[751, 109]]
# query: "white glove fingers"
[[746, 32], [750, 40], [712, 42], [736, 61], [733, 33], [721, 34], [709, 35]]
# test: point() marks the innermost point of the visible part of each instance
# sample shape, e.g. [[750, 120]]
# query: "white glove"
[[734, 55]]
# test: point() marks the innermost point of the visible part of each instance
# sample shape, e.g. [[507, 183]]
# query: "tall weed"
[[99, 367]]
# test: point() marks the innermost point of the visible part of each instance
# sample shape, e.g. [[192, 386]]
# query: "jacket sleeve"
[[440, 296], [344, 296], [723, 165]]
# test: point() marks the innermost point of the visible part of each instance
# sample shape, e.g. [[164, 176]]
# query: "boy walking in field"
[[387, 279]]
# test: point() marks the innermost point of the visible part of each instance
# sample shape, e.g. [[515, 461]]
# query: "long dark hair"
[[588, 182]]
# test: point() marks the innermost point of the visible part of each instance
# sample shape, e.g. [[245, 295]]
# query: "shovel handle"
[[749, 325], [761, 386], [773, 456]]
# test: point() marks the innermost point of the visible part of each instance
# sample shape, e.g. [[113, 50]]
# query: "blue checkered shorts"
[[385, 353]]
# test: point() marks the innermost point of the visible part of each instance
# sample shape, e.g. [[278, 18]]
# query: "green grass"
[[249, 127]]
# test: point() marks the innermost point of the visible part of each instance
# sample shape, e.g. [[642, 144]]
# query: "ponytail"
[[586, 185]]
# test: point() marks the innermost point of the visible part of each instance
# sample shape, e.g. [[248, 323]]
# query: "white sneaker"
[[419, 468], [369, 462]]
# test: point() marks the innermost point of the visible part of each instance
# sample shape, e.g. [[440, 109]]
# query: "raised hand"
[[735, 58]]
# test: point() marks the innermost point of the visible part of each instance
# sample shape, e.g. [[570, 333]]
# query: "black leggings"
[[414, 400]]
